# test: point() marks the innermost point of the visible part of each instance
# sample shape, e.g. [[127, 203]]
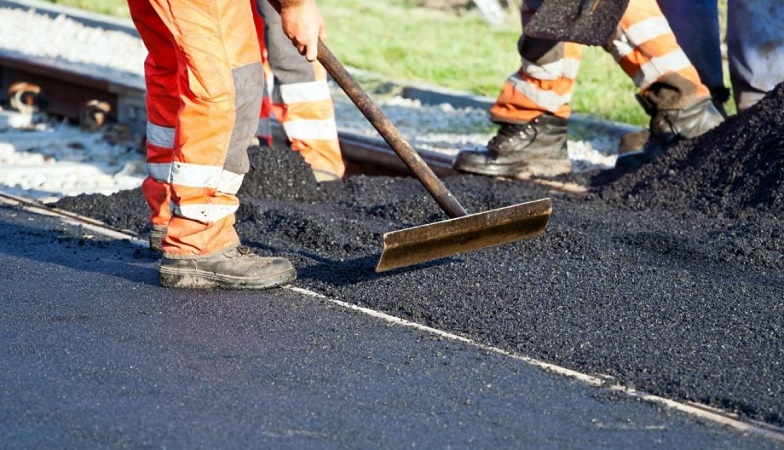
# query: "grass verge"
[[454, 49]]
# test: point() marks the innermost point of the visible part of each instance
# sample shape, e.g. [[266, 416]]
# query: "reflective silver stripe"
[[638, 34], [311, 129], [546, 99], [230, 182], [160, 136], [653, 69], [310, 91], [647, 29], [567, 67], [159, 171], [620, 48], [203, 213], [658, 67], [197, 175], [269, 87]]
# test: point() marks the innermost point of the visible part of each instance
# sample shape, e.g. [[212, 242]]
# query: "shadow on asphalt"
[[345, 272], [78, 248]]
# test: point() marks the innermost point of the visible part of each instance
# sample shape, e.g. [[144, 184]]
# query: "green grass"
[[604, 90], [429, 46], [452, 49]]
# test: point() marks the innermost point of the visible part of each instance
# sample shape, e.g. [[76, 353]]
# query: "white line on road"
[[694, 409]]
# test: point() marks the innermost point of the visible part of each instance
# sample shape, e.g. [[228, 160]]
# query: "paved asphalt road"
[[96, 355]]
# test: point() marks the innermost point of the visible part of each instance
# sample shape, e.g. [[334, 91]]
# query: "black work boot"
[[535, 148], [234, 268], [667, 127]]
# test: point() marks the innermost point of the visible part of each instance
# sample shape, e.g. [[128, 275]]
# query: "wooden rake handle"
[[387, 130]]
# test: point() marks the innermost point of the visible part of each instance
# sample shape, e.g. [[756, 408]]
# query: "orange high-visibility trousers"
[[299, 96], [204, 82], [644, 47]]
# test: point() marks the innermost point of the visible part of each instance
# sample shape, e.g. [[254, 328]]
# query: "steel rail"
[[69, 91]]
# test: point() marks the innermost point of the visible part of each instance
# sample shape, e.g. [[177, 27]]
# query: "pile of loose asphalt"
[[669, 279]]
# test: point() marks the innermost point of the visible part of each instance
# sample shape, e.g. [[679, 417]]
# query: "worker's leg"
[[220, 83], [696, 27], [218, 74], [532, 111], [671, 91], [162, 102], [755, 45], [647, 50], [543, 84], [301, 99]]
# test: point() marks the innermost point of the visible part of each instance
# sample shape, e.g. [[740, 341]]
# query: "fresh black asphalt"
[[670, 279], [96, 355]]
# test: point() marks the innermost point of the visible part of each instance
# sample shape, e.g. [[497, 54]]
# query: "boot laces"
[[511, 131], [238, 252]]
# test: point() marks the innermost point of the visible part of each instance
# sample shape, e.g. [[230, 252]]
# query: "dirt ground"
[[669, 279]]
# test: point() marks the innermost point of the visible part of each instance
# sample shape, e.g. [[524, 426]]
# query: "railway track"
[[117, 109], [45, 85], [111, 102], [96, 98]]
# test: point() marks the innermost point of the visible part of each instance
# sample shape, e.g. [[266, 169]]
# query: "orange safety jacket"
[[204, 82], [644, 47], [298, 96]]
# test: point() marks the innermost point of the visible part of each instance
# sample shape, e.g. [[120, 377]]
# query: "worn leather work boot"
[[535, 148], [157, 234], [234, 268], [667, 127]]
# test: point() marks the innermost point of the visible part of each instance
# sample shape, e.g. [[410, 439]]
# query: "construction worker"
[[533, 107], [299, 99], [204, 83], [755, 45]]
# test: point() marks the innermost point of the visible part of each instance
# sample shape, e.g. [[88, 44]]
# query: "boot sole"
[[537, 167], [195, 279]]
